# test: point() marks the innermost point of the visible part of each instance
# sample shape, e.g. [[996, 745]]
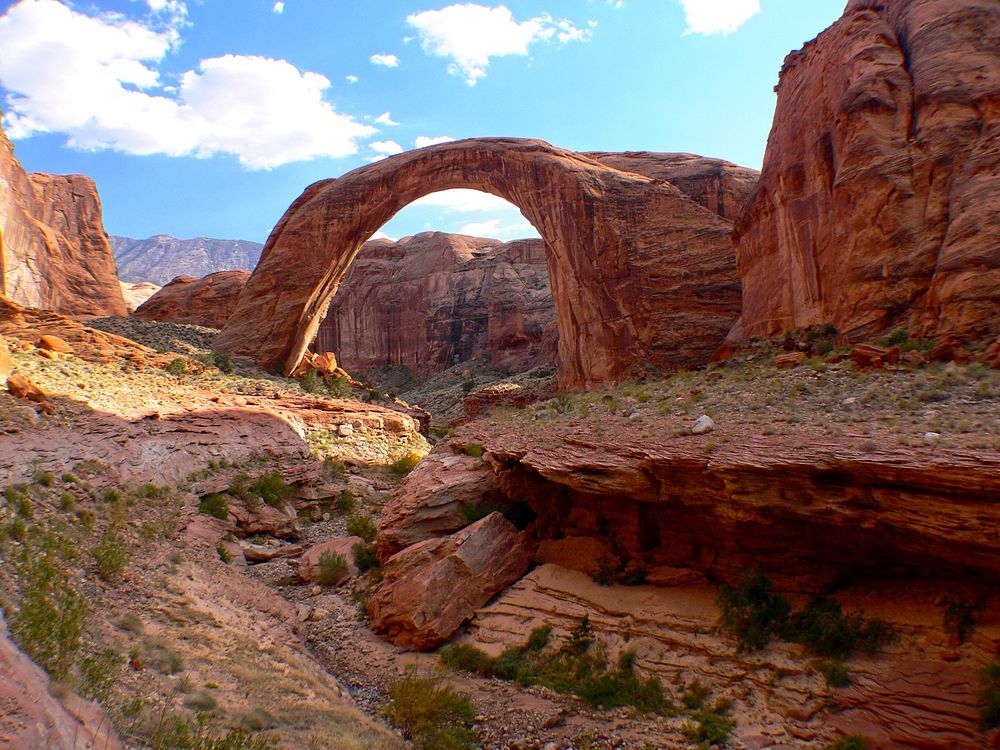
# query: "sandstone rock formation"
[[642, 276], [137, 293], [309, 567], [879, 201], [160, 258], [54, 252], [431, 588], [434, 299], [204, 302]]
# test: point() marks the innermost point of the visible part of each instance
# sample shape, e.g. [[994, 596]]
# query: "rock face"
[[160, 258], [309, 568], [204, 302], [429, 589], [136, 294], [54, 252], [718, 185], [879, 201], [429, 301], [641, 275]]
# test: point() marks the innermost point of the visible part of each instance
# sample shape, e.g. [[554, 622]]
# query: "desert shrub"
[[346, 502], [333, 468], [404, 465], [272, 489], [339, 387], [561, 404], [475, 450], [896, 338], [468, 386], [695, 695], [215, 504], [430, 713], [176, 367], [710, 727], [753, 611], [51, 614], [826, 630], [960, 617], [610, 570], [311, 382], [835, 673], [99, 672], [223, 361], [364, 557], [990, 713], [224, 554], [332, 568], [360, 524], [43, 478], [575, 668], [110, 556], [257, 720], [850, 742], [156, 653]]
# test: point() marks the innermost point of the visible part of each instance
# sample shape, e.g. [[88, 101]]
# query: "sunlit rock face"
[[879, 200], [642, 276], [54, 252], [204, 302]]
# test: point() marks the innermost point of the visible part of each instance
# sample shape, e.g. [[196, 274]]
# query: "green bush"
[[753, 611], [99, 672], [403, 466], [850, 742], [332, 568], [215, 504], [110, 556], [360, 524], [960, 617], [835, 673], [311, 382], [711, 727], [824, 629], [176, 367], [431, 714], [561, 404], [475, 450], [339, 387], [44, 478], [272, 489], [223, 361], [990, 714], [364, 556], [346, 503]]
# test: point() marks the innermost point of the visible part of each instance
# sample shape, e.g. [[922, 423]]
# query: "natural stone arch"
[[641, 275]]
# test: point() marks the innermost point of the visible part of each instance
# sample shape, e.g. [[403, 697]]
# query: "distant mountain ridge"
[[161, 258]]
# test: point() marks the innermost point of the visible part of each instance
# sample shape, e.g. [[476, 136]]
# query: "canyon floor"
[[197, 625]]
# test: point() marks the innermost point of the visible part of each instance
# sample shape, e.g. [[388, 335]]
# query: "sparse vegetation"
[[404, 465], [311, 382], [990, 713], [960, 616], [753, 611], [176, 367], [361, 524], [850, 742], [364, 557], [332, 569], [110, 556], [430, 713], [272, 489], [475, 450], [215, 504], [339, 387], [835, 673], [710, 727]]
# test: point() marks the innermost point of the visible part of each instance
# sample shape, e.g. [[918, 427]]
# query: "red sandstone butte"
[[207, 302]]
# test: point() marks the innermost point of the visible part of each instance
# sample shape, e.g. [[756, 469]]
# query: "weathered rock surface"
[[434, 299], [55, 252], [206, 302], [642, 276], [879, 199], [137, 293], [718, 185], [160, 258], [429, 589], [343, 546], [33, 718]]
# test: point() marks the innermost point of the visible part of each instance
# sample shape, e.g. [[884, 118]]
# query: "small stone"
[[702, 425], [932, 437], [27, 413], [316, 590], [850, 401], [345, 430]]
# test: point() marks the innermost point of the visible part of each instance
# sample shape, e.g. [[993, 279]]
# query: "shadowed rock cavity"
[[642, 276]]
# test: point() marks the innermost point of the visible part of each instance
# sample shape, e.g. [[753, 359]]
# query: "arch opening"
[[642, 277]]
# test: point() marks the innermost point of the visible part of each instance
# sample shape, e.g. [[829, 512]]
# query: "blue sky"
[[208, 117]]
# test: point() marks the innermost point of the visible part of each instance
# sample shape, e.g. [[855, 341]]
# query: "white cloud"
[[385, 119], [95, 78], [718, 16], [428, 140], [461, 200], [616, 4], [279, 7], [497, 230], [380, 235], [386, 148], [387, 61], [470, 35], [351, 78]]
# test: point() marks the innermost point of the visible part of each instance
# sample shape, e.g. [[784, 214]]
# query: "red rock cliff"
[[430, 300], [879, 200], [202, 302], [55, 252]]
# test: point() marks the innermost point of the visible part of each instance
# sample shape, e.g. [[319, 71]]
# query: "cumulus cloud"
[[470, 35], [496, 229], [386, 61], [431, 140], [351, 78], [385, 148], [461, 200], [385, 119], [278, 7], [96, 79], [718, 16]]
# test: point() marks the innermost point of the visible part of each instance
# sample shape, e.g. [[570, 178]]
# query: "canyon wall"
[[879, 200], [204, 302], [55, 252]]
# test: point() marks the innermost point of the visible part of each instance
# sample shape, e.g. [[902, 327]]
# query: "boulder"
[[20, 385], [207, 302], [879, 200], [429, 589], [55, 344], [265, 519], [56, 254], [343, 546], [870, 355]]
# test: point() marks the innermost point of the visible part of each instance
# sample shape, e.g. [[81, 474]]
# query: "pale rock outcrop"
[[879, 200], [137, 293], [429, 589], [207, 302], [54, 252]]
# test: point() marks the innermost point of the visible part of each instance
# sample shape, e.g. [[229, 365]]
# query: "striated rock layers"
[[642, 276], [160, 258], [434, 299], [879, 201], [54, 252], [204, 302]]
